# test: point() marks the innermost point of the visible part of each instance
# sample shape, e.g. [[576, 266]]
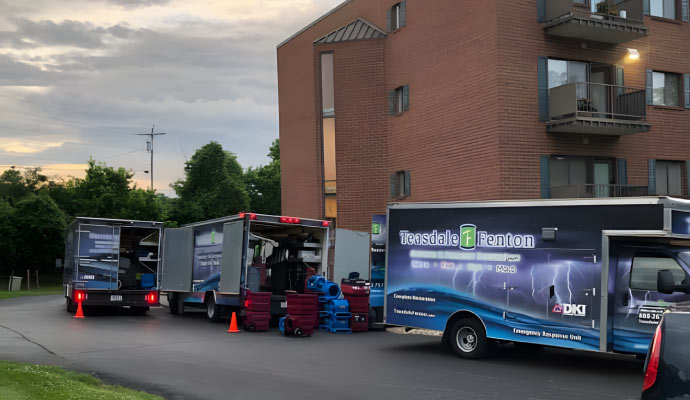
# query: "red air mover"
[[653, 365]]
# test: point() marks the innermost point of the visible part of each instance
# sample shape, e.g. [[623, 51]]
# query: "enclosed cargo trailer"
[[580, 274], [212, 264], [112, 262]]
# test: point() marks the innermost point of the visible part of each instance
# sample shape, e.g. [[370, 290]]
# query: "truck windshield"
[[685, 256]]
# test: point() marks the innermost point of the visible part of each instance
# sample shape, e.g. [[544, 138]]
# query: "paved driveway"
[[187, 357]]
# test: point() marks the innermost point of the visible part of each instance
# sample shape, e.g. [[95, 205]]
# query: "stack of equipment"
[[334, 312], [338, 317], [258, 311], [357, 291], [302, 311]]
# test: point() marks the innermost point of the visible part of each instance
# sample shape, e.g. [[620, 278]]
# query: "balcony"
[[611, 23], [596, 190], [598, 109]]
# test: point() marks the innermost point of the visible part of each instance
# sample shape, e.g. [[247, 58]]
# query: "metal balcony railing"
[[596, 100], [597, 190], [611, 12]]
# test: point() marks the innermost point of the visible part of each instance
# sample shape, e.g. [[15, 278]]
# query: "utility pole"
[[149, 147]]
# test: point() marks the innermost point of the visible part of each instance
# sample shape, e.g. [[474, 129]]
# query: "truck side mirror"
[[665, 282]]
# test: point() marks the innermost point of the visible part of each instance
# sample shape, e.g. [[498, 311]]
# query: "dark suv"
[[667, 369]]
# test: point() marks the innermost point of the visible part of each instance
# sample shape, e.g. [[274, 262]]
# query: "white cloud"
[[80, 77]]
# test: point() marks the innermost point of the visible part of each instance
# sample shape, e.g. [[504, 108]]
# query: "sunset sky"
[[78, 78]]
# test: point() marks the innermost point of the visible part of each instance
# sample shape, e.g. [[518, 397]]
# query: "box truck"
[[211, 264], [112, 262], [591, 274]]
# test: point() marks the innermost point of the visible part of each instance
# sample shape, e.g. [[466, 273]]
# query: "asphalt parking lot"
[[186, 357]]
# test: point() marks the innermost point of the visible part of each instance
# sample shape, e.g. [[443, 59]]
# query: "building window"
[[397, 16], [328, 135], [399, 100], [578, 177], [663, 8], [668, 178], [400, 184], [327, 87], [665, 89], [645, 270]]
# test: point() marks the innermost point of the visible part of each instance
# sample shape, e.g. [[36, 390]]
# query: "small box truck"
[[591, 274], [112, 262], [212, 264]]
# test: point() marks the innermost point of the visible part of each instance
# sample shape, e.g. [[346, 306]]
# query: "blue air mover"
[[315, 283], [330, 291], [339, 308], [281, 325]]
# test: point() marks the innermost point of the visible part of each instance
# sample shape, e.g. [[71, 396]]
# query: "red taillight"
[[653, 365], [79, 296], [247, 304], [252, 216], [289, 220], [152, 298], [326, 223]]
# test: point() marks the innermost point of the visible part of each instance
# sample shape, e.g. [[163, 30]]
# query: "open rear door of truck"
[[234, 256], [351, 254], [178, 255]]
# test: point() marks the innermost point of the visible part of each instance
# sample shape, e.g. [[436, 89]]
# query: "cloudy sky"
[[79, 77]]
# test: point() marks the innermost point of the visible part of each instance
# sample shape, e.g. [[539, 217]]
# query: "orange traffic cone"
[[233, 324], [80, 313]]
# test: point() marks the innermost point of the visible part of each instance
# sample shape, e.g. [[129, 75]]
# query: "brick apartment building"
[[445, 100]]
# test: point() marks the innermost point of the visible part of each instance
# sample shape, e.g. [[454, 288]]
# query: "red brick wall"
[[523, 137], [300, 148], [447, 55], [472, 131], [361, 116]]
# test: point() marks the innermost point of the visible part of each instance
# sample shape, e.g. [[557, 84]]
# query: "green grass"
[[43, 291], [36, 382]]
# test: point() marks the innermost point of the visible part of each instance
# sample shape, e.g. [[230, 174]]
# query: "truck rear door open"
[[234, 256], [97, 257], [351, 254], [178, 254]]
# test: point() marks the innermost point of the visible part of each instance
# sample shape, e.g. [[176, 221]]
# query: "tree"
[[7, 233], [146, 205], [263, 184], [14, 186], [39, 233], [213, 186], [104, 191]]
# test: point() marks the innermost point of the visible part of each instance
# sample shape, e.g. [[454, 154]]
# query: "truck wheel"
[[212, 309], [372, 318], [70, 305], [468, 339], [175, 303]]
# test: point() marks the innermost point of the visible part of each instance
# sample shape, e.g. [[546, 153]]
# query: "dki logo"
[[574, 310]]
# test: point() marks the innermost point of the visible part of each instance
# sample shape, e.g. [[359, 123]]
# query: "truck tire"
[[70, 305], [468, 339], [175, 303], [212, 309]]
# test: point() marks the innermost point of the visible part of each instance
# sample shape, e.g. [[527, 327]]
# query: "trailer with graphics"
[[112, 262], [593, 274], [212, 264]]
